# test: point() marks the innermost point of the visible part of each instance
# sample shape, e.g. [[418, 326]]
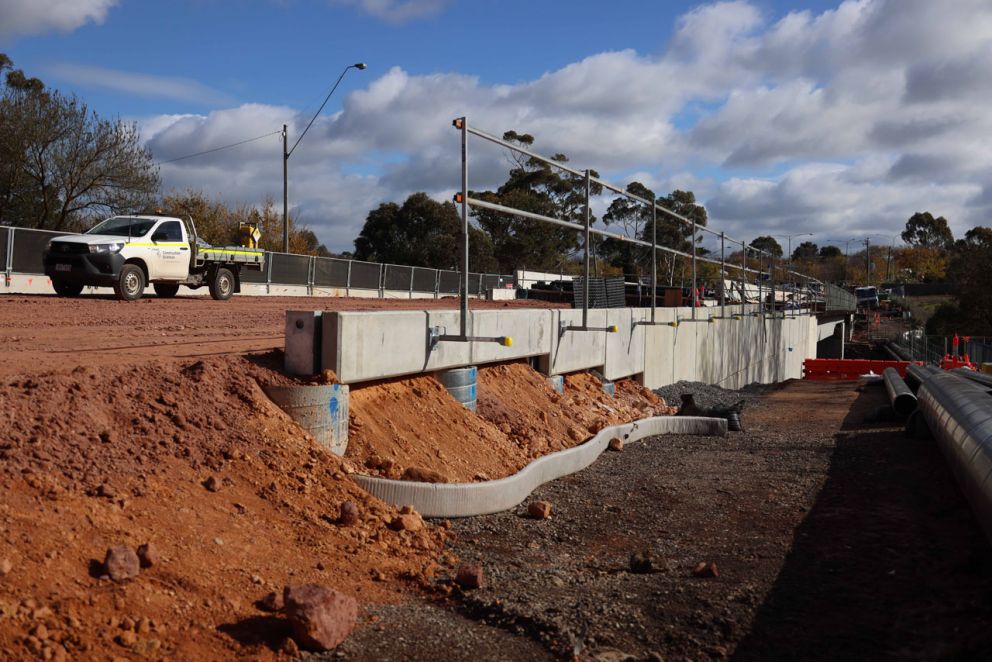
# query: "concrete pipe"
[[959, 414], [320, 410], [900, 397], [460, 383]]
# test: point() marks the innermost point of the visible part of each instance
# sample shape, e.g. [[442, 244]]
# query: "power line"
[[217, 149]]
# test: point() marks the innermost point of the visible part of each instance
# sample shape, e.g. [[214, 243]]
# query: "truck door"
[[173, 250]]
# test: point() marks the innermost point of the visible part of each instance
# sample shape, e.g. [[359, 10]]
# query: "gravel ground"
[[833, 539], [708, 396]]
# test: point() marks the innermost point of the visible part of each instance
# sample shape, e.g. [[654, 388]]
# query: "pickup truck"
[[129, 252]]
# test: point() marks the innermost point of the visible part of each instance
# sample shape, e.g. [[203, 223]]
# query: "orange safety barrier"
[[841, 369]]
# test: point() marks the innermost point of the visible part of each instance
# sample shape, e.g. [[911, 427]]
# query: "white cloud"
[[142, 85], [840, 123], [19, 17], [397, 11]]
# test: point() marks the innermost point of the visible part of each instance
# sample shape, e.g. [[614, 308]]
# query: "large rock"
[[121, 563], [349, 515], [321, 617]]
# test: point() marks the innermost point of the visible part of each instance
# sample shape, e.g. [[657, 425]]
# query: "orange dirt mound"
[[411, 428], [97, 458]]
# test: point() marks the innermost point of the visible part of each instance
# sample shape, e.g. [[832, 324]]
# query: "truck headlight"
[[107, 248]]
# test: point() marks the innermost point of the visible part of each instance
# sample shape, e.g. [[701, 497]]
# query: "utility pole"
[[285, 190], [868, 261]]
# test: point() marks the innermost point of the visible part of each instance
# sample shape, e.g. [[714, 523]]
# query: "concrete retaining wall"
[[365, 346]]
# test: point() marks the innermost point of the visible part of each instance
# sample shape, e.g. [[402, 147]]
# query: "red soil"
[[411, 428], [104, 457]]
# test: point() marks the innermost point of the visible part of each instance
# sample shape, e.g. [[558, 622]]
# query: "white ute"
[[130, 252]]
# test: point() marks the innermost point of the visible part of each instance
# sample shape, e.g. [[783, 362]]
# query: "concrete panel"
[[625, 349], [576, 350], [659, 341], [367, 346], [532, 332]]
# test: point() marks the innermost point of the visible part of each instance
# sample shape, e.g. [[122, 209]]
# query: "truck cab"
[[129, 252]]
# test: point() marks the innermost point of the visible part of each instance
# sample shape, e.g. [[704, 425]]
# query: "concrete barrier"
[[366, 346]]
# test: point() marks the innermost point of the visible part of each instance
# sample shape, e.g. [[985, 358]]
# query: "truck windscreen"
[[124, 226]]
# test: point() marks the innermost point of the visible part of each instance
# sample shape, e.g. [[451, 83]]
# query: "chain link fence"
[[22, 249]]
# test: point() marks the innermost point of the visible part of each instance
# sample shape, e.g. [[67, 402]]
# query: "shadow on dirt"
[[268, 631], [889, 562]]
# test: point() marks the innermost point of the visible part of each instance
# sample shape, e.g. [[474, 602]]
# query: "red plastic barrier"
[[949, 362], [841, 369]]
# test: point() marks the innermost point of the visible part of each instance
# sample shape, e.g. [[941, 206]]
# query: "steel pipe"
[[977, 377], [902, 399], [916, 375], [958, 412]]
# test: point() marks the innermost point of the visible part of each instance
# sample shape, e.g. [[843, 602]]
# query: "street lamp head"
[[360, 65]]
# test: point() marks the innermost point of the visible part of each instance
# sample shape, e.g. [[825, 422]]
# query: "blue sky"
[[838, 118], [289, 52]]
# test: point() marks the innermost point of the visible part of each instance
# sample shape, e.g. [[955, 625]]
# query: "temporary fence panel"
[[258, 276], [329, 272], [4, 243], [398, 278], [449, 282], [424, 280], [365, 275], [288, 269], [29, 245]]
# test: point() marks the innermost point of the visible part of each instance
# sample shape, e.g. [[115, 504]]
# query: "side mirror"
[[159, 235]]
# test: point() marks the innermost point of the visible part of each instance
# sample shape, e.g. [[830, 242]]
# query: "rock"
[[576, 434], [616, 444], [539, 509], [321, 617], [272, 602], [122, 563], [705, 569], [147, 555], [212, 484], [289, 648], [5, 567], [348, 514], [469, 576], [641, 562], [424, 475], [407, 522], [127, 638]]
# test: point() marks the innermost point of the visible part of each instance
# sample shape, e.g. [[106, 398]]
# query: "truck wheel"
[[165, 290], [66, 289], [130, 285], [222, 285]]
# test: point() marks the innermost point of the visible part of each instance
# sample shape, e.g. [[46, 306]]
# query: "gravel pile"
[[708, 396]]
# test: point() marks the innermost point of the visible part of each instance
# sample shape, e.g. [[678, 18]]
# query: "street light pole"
[[286, 153]]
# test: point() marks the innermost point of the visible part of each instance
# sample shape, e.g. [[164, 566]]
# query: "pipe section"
[[916, 375], [977, 377], [959, 414], [902, 399]]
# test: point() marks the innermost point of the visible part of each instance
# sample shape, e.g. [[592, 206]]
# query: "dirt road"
[[39, 333]]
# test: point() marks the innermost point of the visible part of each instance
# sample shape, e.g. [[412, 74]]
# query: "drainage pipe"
[[977, 377], [493, 496], [902, 399], [959, 414]]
